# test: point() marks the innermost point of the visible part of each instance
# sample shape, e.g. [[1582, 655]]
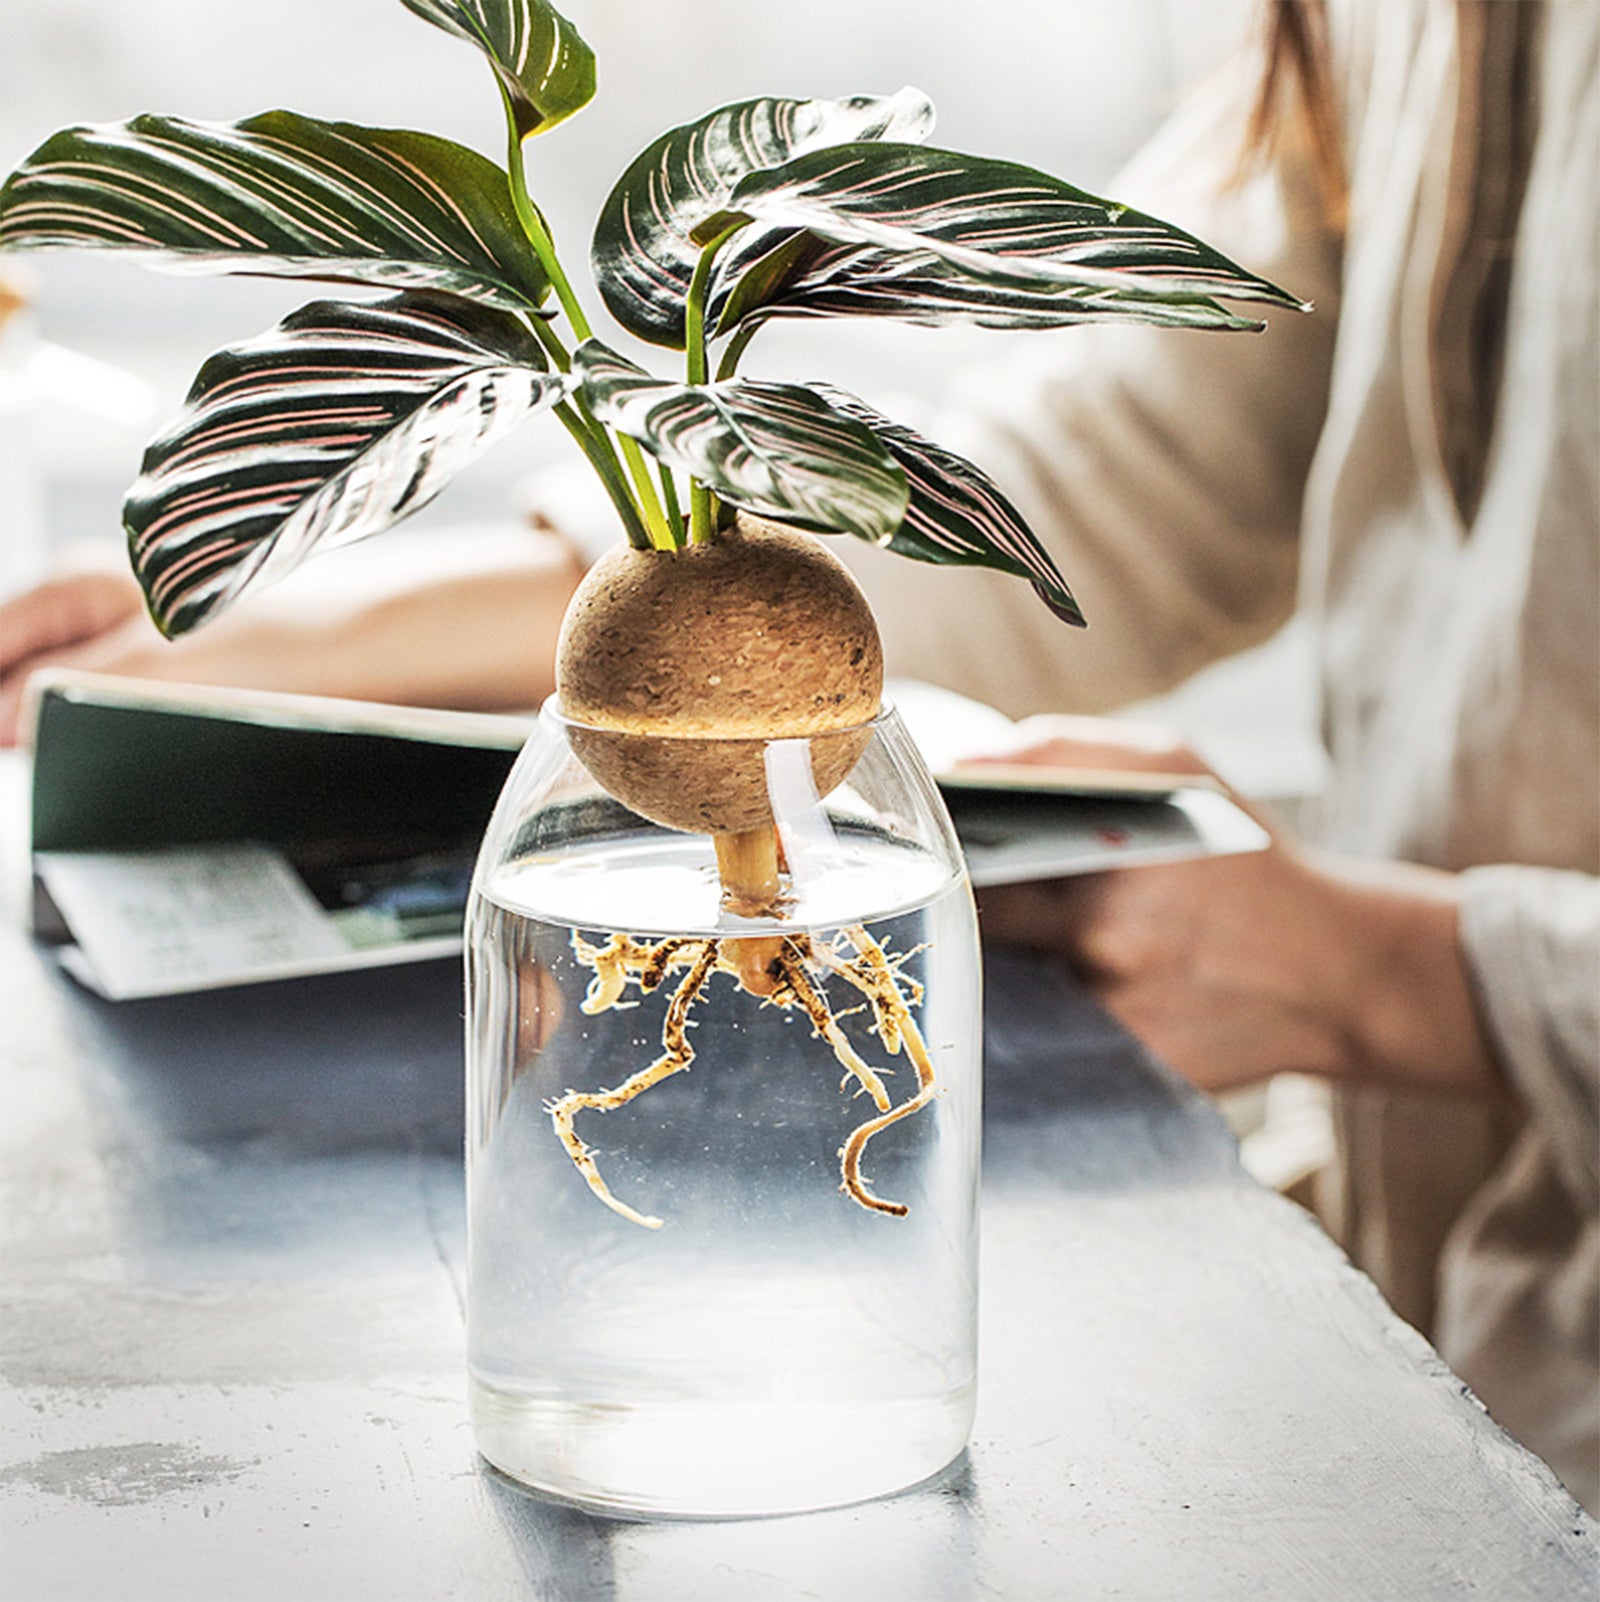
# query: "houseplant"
[[715, 650]]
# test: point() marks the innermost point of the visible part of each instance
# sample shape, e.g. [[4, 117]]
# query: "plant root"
[[779, 969], [749, 864], [878, 978], [826, 1026], [675, 1058]]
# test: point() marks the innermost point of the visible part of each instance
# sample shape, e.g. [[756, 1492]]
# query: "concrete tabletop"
[[234, 1356]]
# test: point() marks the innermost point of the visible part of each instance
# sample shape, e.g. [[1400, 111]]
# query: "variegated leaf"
[[821, 279], [995, 221], [541, 60], [776, 449], [333, 426], [957, 515], [280, 194], [644, 254]]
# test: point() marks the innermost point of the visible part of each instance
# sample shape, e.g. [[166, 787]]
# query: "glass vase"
[[722, 1162]]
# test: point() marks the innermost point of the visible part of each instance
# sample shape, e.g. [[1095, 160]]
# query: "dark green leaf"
[[644, 248], [545, 68], [339, 422], [996, 222], [815, 278], [766, 285], [957, 515], [280, 194], [776, 449]]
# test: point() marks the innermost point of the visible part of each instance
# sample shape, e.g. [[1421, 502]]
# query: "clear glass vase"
[[722, 1168]]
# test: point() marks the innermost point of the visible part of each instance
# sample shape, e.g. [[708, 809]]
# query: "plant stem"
[[747, 864], [533, 225], [662, 534], [558, 353], [597, 448], [702, 523], [594, 442], [694, 311], [669, 497], [729, 364], [702, 519], [645, 507]]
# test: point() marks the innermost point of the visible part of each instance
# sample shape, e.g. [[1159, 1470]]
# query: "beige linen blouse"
[[1416, 466]]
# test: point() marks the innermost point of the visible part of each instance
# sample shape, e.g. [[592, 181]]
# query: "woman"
[[1417, 466]]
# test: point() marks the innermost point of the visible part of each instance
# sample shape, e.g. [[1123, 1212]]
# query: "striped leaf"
[[776, 449], [335, 425], [644, 254], [280, 194], [957, 515], [1000, 223], [544, 67], [820, 279]]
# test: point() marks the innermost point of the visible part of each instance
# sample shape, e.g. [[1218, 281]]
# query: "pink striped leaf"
[[1013, 230], [644, 252], [342, 420], [817, 279], [279, 194], [957, 515], [544, 68], [775, 449]]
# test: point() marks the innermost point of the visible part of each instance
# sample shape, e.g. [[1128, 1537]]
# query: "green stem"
[[702, 517], [533, 225], [644, 506], [669, 497], [596, 446], [662, 534], [694, 311], [551, 340], [594, 441], [729, 364]]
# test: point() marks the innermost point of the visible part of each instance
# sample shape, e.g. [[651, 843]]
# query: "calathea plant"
[[353, 413]]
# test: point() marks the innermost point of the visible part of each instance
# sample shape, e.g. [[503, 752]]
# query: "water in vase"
[[741, 1283]]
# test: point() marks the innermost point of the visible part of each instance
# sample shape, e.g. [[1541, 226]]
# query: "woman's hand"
[[468, 621], [92, 619], [1235, 968]]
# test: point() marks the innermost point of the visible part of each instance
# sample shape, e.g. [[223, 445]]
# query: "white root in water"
[[785, 972]]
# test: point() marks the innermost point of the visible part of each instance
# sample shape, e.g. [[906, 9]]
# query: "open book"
[[186, 838]]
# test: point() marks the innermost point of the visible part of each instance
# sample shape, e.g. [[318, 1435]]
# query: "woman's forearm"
[[464, 619], [481, 638], [1405, 1010]]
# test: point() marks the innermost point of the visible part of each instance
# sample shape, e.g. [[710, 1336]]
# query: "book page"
[[187, 918]]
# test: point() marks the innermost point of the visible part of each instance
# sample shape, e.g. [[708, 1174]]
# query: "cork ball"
[[676, 667]]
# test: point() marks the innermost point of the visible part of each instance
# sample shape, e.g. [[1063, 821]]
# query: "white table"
[[233, 1347]]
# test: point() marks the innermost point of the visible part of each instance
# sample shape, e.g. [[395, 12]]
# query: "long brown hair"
[[1295, 99]]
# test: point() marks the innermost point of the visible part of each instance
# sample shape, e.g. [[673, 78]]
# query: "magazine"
[[186, 838]]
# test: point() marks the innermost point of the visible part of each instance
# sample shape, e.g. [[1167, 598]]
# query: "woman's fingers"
[[65, 621], [1235, 968], [62, 612], [1097, 744], [1045, 915]]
